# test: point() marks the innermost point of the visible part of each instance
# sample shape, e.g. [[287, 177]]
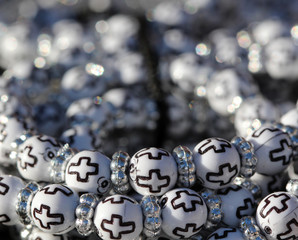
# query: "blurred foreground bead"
[[180, 209], [248, 158], [152, 214], [59, 163], [53, 209], [35, 155], [186, 166], [277, 216], [118, 217], [237, 202], [227, 89], [227, 233], [292, 186], [252, 112], [23, 206], [119, 168], [10, 188], [250, 229], [152, 171], [85, 213], [217, 163], [36, 234], [273, 149], [89, 171]]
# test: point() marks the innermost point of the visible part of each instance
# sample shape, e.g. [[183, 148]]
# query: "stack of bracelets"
[[92, 93]]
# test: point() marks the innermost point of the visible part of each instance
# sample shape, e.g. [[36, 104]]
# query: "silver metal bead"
[[248, 158], [255, 189], [250, 228], [186, 166], [292, 186], [84, 226], [89, 199], [84, 211]]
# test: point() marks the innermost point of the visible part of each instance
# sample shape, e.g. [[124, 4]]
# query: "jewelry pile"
[[92, 93]]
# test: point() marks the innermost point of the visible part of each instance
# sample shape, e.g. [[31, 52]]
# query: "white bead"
[[53, 209], [290, 118], [273, 149], [217, 163], [153, 171], [118, 217], [38, 234], [89, 171], [183, 212], [35, 155], [9, 190], [277, 216], [236, 202], [11, 129], [226, 233]]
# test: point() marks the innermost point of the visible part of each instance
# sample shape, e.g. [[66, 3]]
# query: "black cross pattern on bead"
[[116, 199], [146, 152], [51, 218], [4, 218], [52, 190], [291, 233], [56, 236], [282, 199], [3, 133], [260, 131], [30, 160], [226, 191], [225, 172], [83, 169], [245, 210], [190, 204], [273, 185], [222, 235], [116, 227], [4, 188], [190, 228], [279, 155], [44, 138], [218, 145], [155, 181]]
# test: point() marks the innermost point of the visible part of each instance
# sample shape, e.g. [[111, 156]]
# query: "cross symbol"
[[218, 145], [190, 205], [246, 209], [279, 155], [146, 152], [46, 218], [83, 169], [225, 172], [291, 233], [116, 227], [278, 206], [30, 160], [190, 230], [3, 187], [155, 181], [4, 218]]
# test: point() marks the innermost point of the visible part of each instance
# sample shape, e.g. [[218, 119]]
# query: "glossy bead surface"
[[273, 149], [152, 171], [237, 202], [226, 233], [53, 209], [118, 217], [89, 171], [277, 216], [9, 190], [217, 163], [183, 213], [35, 155]]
